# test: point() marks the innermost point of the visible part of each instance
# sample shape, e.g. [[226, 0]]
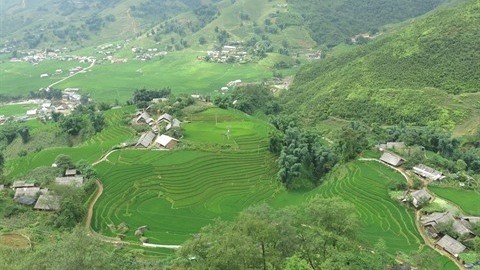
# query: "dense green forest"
[[390, 79], [332, 22]]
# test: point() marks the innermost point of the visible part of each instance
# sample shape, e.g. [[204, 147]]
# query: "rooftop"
[[451, 245], [392, 159]]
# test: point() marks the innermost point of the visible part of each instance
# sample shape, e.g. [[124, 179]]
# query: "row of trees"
[[84, 121], [250, 99]]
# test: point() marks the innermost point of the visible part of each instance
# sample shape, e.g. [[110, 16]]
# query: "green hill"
[[424, 74]]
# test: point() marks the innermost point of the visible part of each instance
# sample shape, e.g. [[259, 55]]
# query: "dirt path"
[[419, 226], [98, 193], [68, 77]]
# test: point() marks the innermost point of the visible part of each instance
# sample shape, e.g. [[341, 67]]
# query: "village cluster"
[[149, 139], [42, 198], [433, 222], [69, 101], [227, 54]]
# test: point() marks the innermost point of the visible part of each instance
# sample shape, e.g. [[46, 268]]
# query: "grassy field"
[[16, 109], [468, 200], [114, 134], [180, 71]]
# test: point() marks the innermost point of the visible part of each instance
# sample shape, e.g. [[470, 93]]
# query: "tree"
[[72, 210], [64, 162], [72, 124], [24, 134], [351, 141], [202, 40], [86, 169]]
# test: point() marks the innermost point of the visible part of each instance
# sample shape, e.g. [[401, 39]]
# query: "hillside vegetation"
[[332, 22], [411, 76]]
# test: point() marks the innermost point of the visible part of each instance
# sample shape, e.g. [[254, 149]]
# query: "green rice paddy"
[[467, 200]]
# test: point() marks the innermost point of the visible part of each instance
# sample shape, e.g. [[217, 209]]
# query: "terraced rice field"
[[468, 200], [114, 134], [175, 193], [364, 184]]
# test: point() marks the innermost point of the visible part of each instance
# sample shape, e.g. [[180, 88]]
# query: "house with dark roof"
[[47, 202], [146, 139], [419, 197], [427, 172], [451, 245], [28, 195], [392, 159]]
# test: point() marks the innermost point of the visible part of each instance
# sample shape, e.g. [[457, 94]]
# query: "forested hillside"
[[332, 22], [413, 75]]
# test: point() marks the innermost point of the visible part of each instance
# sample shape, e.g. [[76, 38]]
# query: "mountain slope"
[[411, 76]]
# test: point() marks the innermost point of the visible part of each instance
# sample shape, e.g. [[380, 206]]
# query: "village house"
[[392, 159], [75, 181], [146, 139], [167, 142], [419, 197], [174, 124], [144, 117], [28, 195], [427, 172], [432, 221], [471, 219], [70, 172], [47, 202], [451, 245], [390, 145], [21, 184], [167, 118]]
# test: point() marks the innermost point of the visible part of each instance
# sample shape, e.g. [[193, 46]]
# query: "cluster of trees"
[[142, 97], [301, 154], [250, 99], [85, 120], [321, 234], [9, 131]]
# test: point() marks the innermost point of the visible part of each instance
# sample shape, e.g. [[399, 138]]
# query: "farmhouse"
[[224, 89], [165, 118], [146, 139], [32, 112], [144, 117], [174, 124], [27, 195], [166, 141], [75, 181], [391, 145], [471, 219], [392, 159], [70, 172], [420, 196], [451, 245], [22, 184], [427, 172], [47, 202], [435, 219]]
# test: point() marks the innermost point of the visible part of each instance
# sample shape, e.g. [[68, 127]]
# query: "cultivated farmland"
[[177, 192], [468, 200]]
